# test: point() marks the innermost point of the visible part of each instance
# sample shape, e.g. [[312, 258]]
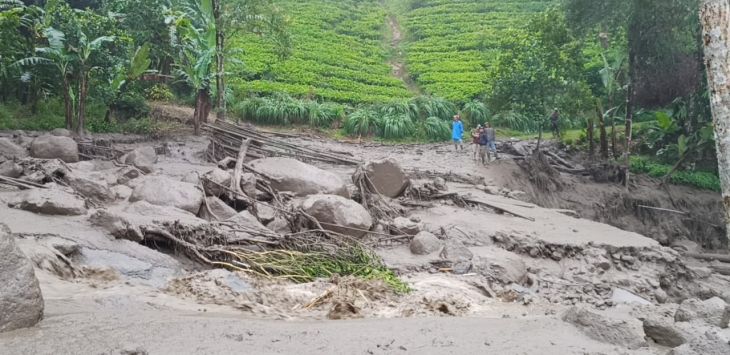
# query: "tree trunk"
[[220, 80], [68, 104], [591, 143], [602, 129], [83, 91], [715, 19], [630, 102], [202, 110]]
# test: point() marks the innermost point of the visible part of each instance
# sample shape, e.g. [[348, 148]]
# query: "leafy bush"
[[436, 129], [397, 126], [700, 179], [159, 92], [363, 122]]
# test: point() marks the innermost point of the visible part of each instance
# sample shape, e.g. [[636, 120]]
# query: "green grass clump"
[[699, 179]]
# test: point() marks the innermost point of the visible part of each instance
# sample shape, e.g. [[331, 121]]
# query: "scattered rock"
[[219, 209], [440, 184], [710, 343], [53, 147], [713, 311], [125, 222], [402, 225], [279, 225], [50, 201], [265, 212], [248, 184], [127, 174], [387, 177], [118, 225], [122, 192], [163, 191], [248, 220], [456, 251], [96, 190], [661, 296], [425, 243], [338, 214], [21, 302], [299, 178], [143, 158], [500, 265], [622, 332], [216, 181], [192, 177], [664, 332], [10, 150], [10, 169], [623, 296]]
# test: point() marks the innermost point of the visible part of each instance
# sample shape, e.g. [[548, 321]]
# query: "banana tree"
[[83, 53], [138, 65]]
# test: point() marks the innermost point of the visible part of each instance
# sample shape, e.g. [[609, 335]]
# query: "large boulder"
[[216, 210], [96, 190], [54, 147], [500, 265], [402, 225], [11, 169], [713, 342], [302, 179], [338, 214], [10, 150], [61, 132], [387, 177], [626, 332], [664, 331], [713, 311], [163, 191], [50, 201], [126, 222], [216, 181], [425, 243], [21, 302], [247, 220], [143, 158]]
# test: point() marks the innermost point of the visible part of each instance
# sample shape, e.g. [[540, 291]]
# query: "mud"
[[524, 270]]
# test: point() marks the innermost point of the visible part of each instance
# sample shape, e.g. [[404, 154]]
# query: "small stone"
[[425, 243]]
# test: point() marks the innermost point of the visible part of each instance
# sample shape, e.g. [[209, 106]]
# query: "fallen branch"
[[498, 208], [709, 257], [662, 209], [22, 184]]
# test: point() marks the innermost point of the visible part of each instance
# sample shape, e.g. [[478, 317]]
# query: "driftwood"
[[558, 159], [498, 208], [238, 170], [662, 209], [22, 184], [709, 257], [721, 269]]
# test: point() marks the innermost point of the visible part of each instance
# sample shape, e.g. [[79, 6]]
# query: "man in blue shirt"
[[457, 133]]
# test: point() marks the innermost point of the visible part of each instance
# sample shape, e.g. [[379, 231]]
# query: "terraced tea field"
[[452, 42], [338, 55]]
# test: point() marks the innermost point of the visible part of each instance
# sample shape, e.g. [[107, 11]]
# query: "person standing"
[[457, 133], [483, 146], [491, 142], [555, 123], [475, 140]]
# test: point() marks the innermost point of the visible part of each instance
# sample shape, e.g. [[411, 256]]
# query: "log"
[[238, 170], [559, 159], [20, 183], [725, 258], [662, 209], [497, 208]]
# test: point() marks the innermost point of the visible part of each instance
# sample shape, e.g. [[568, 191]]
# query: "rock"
[[710, 343], [248, 220], [299, 178], [338, 214], [713, 311], [53, 147], [425, 243], [661, 296], [248, 184], [664, 332], [500, 265], [10, 150], [163, 191], [118, 225], [623, 296], [265, 212], [387, 177], [143, 158], [402, 225], [21, 302], [10, 169], [216, 181], [96, 190], [192, 177], [126, 175], [279, 225], [50, 201], [61, 132], [221, 211], [627, 332], [456, 251], [124, 222], [122, 192]]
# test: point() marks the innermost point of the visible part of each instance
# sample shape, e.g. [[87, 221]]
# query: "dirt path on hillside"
[[397, 62]]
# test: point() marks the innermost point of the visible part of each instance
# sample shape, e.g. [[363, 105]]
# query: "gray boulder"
[[248, 184], [21, 301], [121, 192], [265, 212], [54, 147], [402, 225], [664, 331], [10, 150], [143, 158], [48, 201], [246, 219], [338, 214], [217, 210], [713, 311], [713, 342], [500, 265], [628, 332], [11, 169], [96, 190], [125, 222], [163, 191], [279, 225], [387, 177], [425, 243], [620, 296], [216, 181], [61, 132], [456, 251], [301, 179]]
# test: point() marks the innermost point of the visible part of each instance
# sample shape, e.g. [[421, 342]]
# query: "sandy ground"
[[133, 299]]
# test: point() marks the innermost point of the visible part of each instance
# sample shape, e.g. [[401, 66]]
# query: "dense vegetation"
[[96, 64]]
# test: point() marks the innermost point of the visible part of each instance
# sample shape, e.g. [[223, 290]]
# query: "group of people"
[[484, 140]]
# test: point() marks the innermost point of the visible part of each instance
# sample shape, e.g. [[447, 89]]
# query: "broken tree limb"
[[238, 170], [498, 208], [709, 257], [662, 209], [559, 159], [20, 183]]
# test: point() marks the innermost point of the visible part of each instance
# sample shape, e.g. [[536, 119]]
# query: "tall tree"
[[715, 19]]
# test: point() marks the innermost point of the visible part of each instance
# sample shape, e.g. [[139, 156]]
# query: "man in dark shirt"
[[555, 123]]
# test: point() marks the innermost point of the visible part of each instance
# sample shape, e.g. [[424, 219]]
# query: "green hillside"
[[453, 41], [338, 54]]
